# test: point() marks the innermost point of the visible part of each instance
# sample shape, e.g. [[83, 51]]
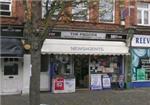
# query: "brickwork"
[[93, 23], [17, 17], [66, 22], [130, 20]]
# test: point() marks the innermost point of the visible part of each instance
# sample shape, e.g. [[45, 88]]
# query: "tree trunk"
[[35, 78], [35, 54]]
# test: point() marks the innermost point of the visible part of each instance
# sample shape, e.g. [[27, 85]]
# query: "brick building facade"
[[95, 37], [15, 64]]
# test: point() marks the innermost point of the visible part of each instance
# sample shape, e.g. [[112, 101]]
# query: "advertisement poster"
[[69, 85], [106, 82], [141, 74], [96, 82], [59, 83]]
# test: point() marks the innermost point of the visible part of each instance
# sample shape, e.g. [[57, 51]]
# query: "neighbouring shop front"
[[84, 64], [14, 67], [140, 67]]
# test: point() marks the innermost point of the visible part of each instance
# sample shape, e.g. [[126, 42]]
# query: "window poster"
[[96, 81], [141, 74]]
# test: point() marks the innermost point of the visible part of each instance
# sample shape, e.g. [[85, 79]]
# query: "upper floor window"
[[106, 10], [50, 4], [80, 10], [5, 7], [143, 14]]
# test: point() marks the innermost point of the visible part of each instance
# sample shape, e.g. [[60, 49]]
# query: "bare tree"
[[35, 32]]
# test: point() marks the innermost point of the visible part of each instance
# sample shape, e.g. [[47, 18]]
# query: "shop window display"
[[61, 65], [61, 74], [140, 64], [81, 71], [107, 66]]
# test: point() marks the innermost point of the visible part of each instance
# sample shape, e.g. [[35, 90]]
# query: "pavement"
[[140, 96]]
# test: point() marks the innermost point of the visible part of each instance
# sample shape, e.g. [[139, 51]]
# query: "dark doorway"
[[81, 71]]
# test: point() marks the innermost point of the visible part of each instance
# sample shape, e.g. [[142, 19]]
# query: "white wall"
[[44, 81], [0, 76], [26, 73]]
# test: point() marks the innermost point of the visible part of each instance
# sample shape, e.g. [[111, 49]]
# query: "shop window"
[[5, 7], [11, 59], [143, 14], [44, 63], [61, 64], [80, 10], [47, 5], [106, 10], [110, 65], [140, 64], [11, 69]]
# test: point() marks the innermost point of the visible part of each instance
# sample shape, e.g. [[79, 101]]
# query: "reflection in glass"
[[11, 69], [106, 8]]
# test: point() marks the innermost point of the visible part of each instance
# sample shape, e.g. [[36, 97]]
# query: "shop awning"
[[11, 47], [86, 47]]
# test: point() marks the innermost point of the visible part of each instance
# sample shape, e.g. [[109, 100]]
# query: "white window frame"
[[43, 3], [113, 21], [80, 9], [142, 15], [6, 2]]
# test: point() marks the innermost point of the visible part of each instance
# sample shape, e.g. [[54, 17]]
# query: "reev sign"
[[141, 41]]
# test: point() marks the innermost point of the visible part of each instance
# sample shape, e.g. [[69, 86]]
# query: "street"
[[139, 96]]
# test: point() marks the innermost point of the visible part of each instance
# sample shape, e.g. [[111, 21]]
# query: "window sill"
[[107, 22], [8, 17], [143, 24], [142, 81]]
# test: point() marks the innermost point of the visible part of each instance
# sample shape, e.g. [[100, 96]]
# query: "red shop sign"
[[59, 84]]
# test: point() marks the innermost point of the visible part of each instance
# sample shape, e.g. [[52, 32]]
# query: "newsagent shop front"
[[83, 60], [140, 67], [84, 64]]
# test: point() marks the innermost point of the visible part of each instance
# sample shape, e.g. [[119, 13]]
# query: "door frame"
[[88, 85], [20, 75]]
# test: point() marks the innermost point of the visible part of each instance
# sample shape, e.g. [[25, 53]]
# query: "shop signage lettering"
[[83, 35], [86, 35], [54, 34], [145, 63], [141, 41], [87, 49], [13, 32], [116, 37]]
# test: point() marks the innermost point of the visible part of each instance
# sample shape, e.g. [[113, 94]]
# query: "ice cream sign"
[[141, 41]]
